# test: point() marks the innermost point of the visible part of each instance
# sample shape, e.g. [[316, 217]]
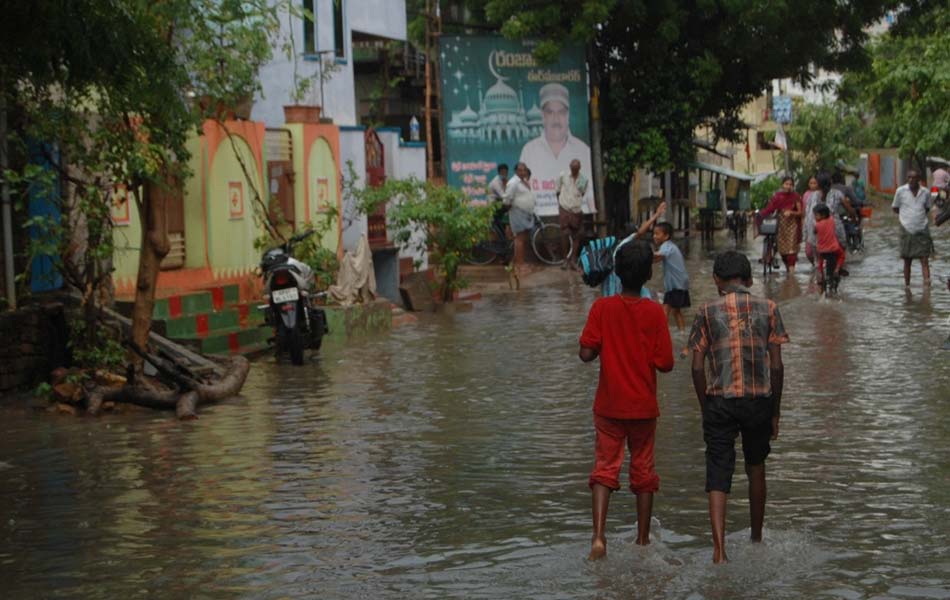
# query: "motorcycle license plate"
[[285, 295]]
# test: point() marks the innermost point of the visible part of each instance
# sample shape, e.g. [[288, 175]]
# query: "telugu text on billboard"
[[501, 106]]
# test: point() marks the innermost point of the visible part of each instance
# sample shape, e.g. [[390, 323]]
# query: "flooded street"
[[450, 459]]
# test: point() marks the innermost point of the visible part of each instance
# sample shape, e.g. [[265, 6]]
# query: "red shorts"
[[639, 435]]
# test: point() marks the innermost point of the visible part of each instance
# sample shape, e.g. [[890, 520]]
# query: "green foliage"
[[115, 90], [906, 90], [43, 390], [665, 68], [761, 192], [823, 136], [94, 347], [442, 219]]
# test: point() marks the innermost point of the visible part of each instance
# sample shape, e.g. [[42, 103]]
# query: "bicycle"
[[854, 233], [768, 227], [830, 278], [545, 243]]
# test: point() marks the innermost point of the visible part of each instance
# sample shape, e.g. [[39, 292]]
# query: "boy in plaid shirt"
[[742, 336]]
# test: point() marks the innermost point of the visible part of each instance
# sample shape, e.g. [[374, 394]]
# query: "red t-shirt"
[[827, 239], [634, 341]]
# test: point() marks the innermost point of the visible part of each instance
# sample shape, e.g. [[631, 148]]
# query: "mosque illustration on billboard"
[[501, 116]]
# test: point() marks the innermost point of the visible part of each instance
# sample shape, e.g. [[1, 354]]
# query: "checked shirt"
[[735, 332]]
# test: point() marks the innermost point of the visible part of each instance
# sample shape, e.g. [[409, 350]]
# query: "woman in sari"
[[812, 197], [787, 204]]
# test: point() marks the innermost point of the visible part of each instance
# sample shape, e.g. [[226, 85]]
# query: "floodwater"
[[450, 459]]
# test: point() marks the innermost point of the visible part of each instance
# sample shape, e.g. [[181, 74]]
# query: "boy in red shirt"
[[630, 335], [827, 241]]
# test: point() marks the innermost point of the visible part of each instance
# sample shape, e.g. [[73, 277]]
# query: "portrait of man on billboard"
[[551, 153]]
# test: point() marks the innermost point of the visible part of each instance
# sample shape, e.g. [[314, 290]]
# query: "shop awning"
[[721, 170]]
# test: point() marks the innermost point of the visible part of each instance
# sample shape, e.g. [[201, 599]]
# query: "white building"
[[326, 44]]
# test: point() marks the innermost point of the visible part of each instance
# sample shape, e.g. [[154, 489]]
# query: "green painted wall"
[[127, 240], [231, 231], [324, 188], [194, 206]]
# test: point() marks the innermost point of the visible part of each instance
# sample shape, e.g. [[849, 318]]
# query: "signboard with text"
[[782, 109], [501, 106]]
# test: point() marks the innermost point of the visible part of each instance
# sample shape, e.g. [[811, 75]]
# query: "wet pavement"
[[450, 459]]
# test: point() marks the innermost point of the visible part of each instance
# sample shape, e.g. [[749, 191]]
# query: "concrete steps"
[[493, 273]]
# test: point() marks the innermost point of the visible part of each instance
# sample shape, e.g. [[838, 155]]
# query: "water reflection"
[[450, 459]]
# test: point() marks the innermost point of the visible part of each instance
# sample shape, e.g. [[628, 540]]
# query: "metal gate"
[[375, 177]]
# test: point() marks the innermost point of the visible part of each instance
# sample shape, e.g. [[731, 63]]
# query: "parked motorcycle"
[[288, 283]]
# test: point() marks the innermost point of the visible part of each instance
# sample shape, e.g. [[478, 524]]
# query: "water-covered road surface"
[[450, 459]]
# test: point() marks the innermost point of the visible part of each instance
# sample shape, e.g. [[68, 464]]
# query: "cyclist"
[[830, 252], [496, 195], [787, 205], [838, 204], [852, 226]]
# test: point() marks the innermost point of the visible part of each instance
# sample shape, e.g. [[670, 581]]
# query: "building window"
[[309, 28], [339, 33]]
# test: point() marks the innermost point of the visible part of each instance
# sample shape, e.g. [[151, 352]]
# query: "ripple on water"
[[450, 459]]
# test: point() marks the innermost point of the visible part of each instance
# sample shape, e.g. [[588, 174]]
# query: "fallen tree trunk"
[[184, 402]]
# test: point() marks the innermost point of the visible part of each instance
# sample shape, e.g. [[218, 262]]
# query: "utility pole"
[[8, 272], [596, 141], [433, 21]]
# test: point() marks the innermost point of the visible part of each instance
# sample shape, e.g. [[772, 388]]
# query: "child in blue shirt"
[[612, 285], [675, 278]]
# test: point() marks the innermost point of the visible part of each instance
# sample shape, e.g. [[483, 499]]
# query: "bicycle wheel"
[[831, 286], [546, 243], [482, 253]]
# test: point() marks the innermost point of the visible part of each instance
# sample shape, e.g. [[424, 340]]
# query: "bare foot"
[[598, 550], [720, 559]]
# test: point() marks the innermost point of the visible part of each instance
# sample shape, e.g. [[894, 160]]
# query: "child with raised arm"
[[630, 335], [742, 336], [675, 278]]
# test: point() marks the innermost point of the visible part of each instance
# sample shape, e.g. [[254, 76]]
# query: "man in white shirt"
[[520, 198], [496, 187], [552, 152], [496, 195], [571, 188], [913, 203]]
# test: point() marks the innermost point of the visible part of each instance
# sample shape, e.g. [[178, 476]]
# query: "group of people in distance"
[[816, 218], [514, 197]]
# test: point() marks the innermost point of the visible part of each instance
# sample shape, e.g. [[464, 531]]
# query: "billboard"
[[501, 106]]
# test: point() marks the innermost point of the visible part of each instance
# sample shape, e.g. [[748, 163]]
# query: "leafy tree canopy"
[[825, 136], [906, 90], [665, 67]]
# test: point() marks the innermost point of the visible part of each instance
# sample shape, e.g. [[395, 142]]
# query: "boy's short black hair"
[[732, 265], [634, 264], [665, 227], [822, 209], [502, 167]]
